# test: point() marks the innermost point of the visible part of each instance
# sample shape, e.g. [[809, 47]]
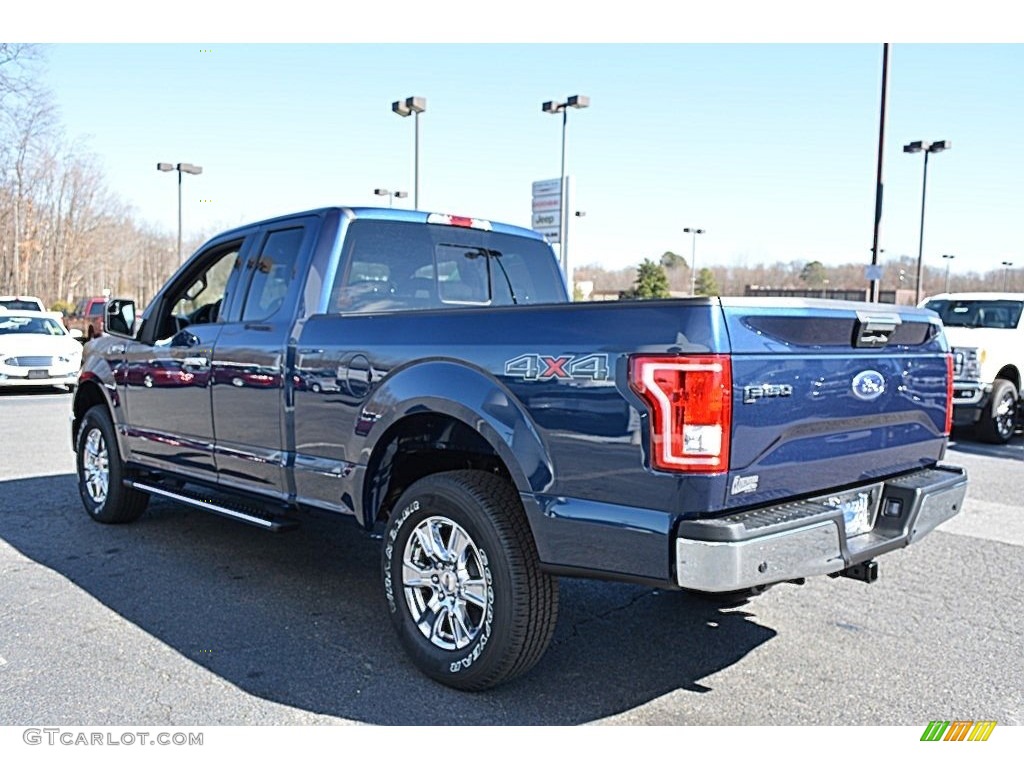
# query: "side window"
[[273, 270], [199, 301]]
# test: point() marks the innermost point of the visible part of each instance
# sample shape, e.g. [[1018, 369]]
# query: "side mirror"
[[121, 318], [75, 333]]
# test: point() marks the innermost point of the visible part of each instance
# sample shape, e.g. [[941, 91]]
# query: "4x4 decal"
[[535, 367]]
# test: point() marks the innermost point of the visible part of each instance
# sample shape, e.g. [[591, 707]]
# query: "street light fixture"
[[912, 148], [390, 195], [693, 257], [181, 168], [1006, 273], [554, 108], [413, 106], [949, 260]]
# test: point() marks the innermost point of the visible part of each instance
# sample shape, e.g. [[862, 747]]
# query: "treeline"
[[898, 274], [63, 234]]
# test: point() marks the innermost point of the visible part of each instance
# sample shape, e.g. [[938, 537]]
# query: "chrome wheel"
[[446, 583], [1005, 414], [463, 582], [96, 466]]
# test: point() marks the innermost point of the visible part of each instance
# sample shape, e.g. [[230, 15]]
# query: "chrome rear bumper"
[[808, 538]]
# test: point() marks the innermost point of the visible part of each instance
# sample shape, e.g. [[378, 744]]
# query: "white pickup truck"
[[986, 334]]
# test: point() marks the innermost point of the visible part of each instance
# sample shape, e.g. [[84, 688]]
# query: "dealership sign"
[[545, 220], [547, 203]]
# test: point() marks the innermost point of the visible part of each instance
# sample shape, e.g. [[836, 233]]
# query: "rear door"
[[831, 393], [251, 357]]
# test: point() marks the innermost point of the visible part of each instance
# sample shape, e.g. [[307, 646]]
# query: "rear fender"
[[471, 396]]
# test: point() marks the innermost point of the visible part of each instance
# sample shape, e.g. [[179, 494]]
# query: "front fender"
[[96, 385]]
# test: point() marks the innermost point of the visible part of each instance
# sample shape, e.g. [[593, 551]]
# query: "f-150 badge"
[[757, 392]]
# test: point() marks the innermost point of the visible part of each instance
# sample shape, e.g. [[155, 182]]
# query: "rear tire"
[[463, 581], [999, 421], [101, 472]]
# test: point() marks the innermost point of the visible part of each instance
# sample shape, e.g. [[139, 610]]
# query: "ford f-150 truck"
[[426, 375], [986, 333]]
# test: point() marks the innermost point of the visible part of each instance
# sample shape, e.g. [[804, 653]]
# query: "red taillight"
[[690, 404], [949, 394]]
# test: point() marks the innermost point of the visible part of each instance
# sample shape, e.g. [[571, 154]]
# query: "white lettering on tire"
[[389, 548], [465, 663]]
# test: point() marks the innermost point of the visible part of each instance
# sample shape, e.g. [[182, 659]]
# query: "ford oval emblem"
[[868, 385]]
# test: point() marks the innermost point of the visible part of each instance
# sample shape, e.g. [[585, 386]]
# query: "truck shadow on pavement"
[[964, 444], [300, 619]]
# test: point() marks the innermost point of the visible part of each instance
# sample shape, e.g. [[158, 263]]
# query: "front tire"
[[999, 421], [101, 472], [463, 581]]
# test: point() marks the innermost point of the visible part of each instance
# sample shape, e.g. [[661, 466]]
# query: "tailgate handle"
[[874, 329]]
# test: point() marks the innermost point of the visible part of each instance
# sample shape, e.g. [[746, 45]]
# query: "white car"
[[36, 350], [21, 302]]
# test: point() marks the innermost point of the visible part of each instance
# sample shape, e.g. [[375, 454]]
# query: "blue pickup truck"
[[426, 375]]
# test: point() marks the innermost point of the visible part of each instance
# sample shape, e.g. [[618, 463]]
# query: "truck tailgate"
[[827, 394]]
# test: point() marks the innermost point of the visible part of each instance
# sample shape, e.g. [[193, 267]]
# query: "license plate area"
[[858, 509], [39, 373]]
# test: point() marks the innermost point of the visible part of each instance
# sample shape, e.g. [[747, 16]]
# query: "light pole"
[[693, 257], [413, 106], [554, 108], [181, 168], [911, 148], [390, 195], [1006, 273], [948, 257], [873, 284]]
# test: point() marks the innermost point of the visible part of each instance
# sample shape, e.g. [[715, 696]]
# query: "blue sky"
[[769, 147]]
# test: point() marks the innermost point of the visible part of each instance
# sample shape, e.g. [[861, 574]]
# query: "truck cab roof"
[[400, 214]]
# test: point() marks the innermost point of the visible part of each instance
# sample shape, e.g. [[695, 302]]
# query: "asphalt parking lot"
[[185, 618]]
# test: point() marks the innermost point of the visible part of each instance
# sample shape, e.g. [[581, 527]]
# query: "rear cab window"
[[393, 266], [978, 313]]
